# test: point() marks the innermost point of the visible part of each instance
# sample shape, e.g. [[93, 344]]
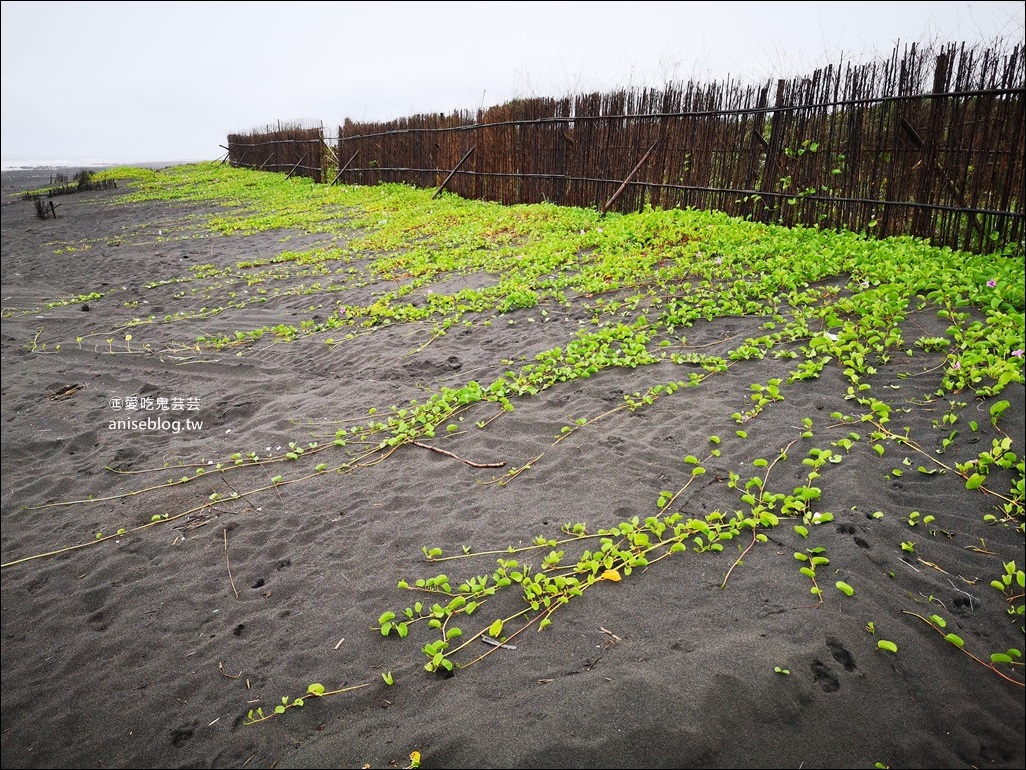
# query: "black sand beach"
[[151, 648]]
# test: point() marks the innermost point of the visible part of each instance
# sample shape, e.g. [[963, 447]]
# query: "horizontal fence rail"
[[925, 143]]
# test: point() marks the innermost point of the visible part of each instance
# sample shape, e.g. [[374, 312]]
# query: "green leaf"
[[844, 588], [495, 629], [975, 481], [315, 689], [997, 409], [955, 639], [885, 644]]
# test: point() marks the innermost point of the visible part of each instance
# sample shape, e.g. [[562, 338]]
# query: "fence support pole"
[[453, 173], [630, 176], [293, 171], [265, 162], [342, 170]]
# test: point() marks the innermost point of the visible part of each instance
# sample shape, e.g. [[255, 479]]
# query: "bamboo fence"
[[928, 143], [292, 149]]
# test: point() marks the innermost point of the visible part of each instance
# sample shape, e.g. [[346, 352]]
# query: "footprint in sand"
[[822, 673]]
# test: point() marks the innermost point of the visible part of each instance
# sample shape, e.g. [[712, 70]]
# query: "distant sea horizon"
[[43, 164]]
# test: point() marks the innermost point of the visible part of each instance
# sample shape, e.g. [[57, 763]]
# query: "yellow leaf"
[[611, 574]]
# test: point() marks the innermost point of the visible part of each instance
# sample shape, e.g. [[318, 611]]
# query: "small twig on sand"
[[237, 495], [228, 564], [455, 457]]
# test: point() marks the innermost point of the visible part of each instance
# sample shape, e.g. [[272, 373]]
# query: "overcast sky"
[[168, 81]]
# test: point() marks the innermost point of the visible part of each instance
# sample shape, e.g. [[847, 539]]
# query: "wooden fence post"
[[778, 120]]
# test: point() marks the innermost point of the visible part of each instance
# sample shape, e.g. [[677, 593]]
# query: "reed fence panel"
[[928, 143], [925, 143], [295, 150]]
